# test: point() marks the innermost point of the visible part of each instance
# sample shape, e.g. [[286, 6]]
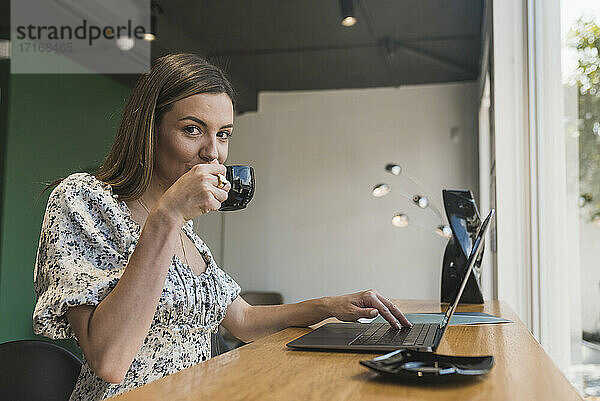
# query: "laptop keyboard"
[[383, 334]]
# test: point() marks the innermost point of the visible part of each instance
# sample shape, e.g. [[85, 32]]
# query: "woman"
[[119, 266]]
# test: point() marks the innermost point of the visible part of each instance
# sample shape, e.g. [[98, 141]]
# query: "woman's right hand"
[[195, 192]]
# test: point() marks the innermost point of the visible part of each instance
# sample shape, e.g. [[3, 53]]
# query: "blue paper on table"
[[459, 318]]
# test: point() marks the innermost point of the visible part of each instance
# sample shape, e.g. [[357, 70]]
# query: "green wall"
[[57, 125], [4, 97]]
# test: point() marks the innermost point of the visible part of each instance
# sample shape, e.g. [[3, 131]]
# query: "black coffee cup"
[[241, 179]]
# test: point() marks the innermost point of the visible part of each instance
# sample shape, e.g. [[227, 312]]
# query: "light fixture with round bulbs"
[[381, 190], [349, 21], [444, 231], [396, 169], [393, 169], [400, 220], [423, 202]]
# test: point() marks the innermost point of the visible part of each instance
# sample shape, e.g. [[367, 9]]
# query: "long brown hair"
[[129, 166]]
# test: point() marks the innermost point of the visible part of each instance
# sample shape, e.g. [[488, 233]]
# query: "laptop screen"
[[474, 254]]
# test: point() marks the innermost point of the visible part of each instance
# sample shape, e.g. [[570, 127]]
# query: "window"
[[580, 55]]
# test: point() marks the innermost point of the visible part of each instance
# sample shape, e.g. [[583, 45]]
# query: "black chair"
[[262, 297], [218, 345], [224, 340], [33, 370]]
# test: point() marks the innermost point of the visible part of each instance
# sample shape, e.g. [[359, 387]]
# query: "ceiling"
[[282, 45]]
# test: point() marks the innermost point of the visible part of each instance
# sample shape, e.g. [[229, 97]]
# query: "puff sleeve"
[[81, 253]]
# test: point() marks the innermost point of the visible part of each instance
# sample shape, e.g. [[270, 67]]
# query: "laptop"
[[381, 337]]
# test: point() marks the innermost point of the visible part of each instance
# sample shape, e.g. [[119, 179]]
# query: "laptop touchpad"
[[333, 333]]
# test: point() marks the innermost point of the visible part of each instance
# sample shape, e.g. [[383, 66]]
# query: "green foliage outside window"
[[585, 39]]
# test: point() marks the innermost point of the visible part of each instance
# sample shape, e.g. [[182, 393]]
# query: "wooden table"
[[267, 370]]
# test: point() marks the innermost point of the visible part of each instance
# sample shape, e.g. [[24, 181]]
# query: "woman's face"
[[195, 130]]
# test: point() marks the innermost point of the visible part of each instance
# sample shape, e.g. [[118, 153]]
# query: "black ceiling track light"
[[155, 9], [348, 14]]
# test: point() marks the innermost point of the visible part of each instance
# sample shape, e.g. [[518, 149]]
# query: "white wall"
[[313, 227]]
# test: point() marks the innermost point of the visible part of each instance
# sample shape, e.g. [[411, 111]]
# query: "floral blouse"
[[86, 240]]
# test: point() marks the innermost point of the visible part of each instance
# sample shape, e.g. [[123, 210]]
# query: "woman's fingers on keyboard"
[[395, 311], [373, 300]]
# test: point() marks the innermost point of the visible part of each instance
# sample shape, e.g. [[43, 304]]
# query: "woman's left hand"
[[366, 304]]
